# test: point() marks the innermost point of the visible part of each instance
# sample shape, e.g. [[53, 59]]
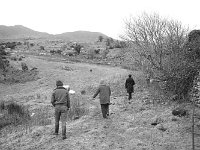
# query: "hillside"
[[81, 36], [128, 127], [19, 31]]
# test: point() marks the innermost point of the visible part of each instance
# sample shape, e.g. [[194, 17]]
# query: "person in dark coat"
[[129, 85], [61, 101], [104, 96]]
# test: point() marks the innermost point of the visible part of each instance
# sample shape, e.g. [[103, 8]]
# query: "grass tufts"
[[78, 108], [13, 114]]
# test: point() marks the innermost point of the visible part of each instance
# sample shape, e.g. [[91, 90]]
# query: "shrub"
[[77, 48], [19, 43], [83, 92], [100, 38], [24, 66], [97, 51], [41, 47], [32, 44], [104, 54], [59, 51], [11, 45], [64, 47]]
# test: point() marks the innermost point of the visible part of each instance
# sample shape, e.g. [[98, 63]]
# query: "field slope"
[[128, 128]]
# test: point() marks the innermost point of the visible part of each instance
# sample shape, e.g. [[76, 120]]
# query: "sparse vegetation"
[[78, 108], [77, 48], [13, 114], [18, 76], [158, 43], [135, 124]]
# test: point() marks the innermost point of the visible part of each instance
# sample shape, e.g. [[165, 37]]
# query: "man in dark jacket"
[[61, 101], [129, 85], [104, 96]]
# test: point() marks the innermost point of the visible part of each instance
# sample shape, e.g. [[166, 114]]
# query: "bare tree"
[[157, 41]]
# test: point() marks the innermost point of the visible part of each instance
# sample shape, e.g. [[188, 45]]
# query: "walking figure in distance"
[[61, 101], [129, 85], [104, 96]]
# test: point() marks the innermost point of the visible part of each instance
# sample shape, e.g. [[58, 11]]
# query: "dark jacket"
[[129, 85], [60, 95], [104, 94]]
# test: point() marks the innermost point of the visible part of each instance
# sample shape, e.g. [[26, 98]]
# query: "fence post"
[[193, 112]]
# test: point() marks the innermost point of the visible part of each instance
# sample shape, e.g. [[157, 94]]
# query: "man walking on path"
[[104, 96], [61, 101], [129, 85]]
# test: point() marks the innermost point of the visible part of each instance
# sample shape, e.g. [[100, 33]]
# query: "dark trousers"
[[60, 114], [130, 95], [105, 110]]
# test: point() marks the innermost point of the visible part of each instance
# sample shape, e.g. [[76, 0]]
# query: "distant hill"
[[19, 31], [81, 36]]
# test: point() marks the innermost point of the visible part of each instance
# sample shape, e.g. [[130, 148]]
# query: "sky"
[[105, 16]]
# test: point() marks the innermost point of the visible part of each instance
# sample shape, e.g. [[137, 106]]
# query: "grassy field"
[[129, 126]]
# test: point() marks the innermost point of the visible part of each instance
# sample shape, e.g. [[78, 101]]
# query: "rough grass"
[[13, 114], [78, 108], [15, 117], [18, 76], [41, 116]]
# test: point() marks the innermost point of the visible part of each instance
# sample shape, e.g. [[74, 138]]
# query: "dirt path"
[[129, 126]]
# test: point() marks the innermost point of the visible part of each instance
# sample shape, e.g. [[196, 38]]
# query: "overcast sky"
[[106, 16]]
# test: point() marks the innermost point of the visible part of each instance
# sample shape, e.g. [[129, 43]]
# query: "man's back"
[[129, 83], [60, 96], [104, 94]]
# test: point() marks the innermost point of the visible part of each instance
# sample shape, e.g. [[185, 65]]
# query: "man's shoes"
[[64, 137], [107, 117]]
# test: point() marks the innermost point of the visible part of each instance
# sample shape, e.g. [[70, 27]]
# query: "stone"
[[180, 112], [161, 127]]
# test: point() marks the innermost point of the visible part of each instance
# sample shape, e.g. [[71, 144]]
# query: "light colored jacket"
[[104, 94]]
